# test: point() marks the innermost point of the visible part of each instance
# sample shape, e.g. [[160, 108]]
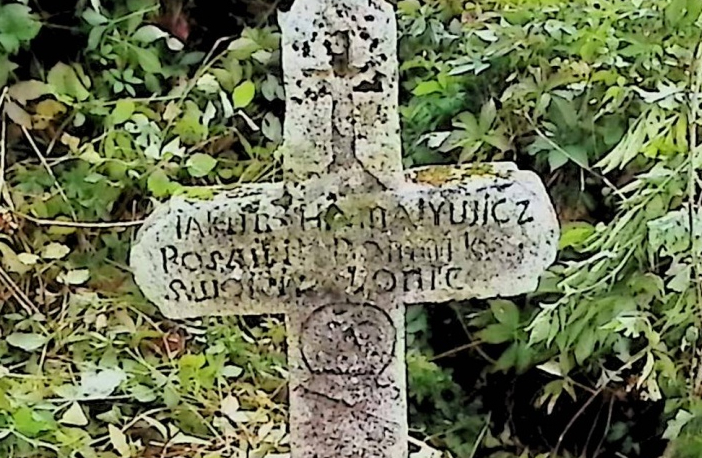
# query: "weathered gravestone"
[[348, 238]]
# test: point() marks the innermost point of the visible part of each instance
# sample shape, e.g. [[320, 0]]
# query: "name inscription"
[[383, 248]]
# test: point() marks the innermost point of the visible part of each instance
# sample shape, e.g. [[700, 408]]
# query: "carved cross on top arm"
[[341, 85]]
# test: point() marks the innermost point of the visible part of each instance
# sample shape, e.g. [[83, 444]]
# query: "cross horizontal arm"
[[448, 233]]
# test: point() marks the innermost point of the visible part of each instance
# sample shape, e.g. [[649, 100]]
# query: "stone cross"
[[348, 238]]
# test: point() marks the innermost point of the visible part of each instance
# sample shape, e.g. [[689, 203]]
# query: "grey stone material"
[[348, 238]]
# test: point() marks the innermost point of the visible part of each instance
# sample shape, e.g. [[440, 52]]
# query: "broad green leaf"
[[487, 35], [262, 56], [31, 422], [242, 48], [682, 280], [200, 164], [675, 425], [17, 21], [496, 334], [409, 7], [272, 89], [148, 34], [174, 148], [74, 416], [93, 18], [6, 67], [9, 43], [539, 329], [556, 159], [694, 9], [575, 233], [675, 11], [55, 251], [499, 141], [123, 111], [272, 128], [244, 94], [208, 84], [469, 123], [27, 341], [95, 36], [148, 60], [174, 44], [505, 312], [230, 371], [508, 359], [10, 260], [426, 87], [74, 277], [119, 441], [143, 393], [64, 80], [101, 384], [585, 345], [525, 355], [577, 154], [487, 115], [551, 367], [565, 112], [28, 259]]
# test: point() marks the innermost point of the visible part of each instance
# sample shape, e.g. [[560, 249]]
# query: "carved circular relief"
[[348, 339]]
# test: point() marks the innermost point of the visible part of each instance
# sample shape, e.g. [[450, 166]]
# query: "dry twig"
[[42, 159], [17, 292], [78, 224], [3, 144]]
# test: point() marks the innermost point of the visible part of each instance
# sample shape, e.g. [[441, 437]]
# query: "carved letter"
[[378, 252], [382, 218], [176, 285], [453, 212], [231, 287], [494, 212], [204, 294], [198, 260], [189, 226], [436, 212], [165, 258], [179, 231], [523, 219], [213, 262], [235, 259], [417, 273], [451, 274], [389, 283], [261, 224], [486, 209], [475, 211]]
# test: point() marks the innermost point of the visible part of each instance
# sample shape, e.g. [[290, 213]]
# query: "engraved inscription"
[[278, 244]]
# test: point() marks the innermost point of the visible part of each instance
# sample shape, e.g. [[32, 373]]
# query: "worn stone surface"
[[340, 64], [348, 238]]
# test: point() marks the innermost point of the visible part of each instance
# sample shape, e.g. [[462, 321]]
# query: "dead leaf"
[[28, 90], [47, 111], [18, 115]]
